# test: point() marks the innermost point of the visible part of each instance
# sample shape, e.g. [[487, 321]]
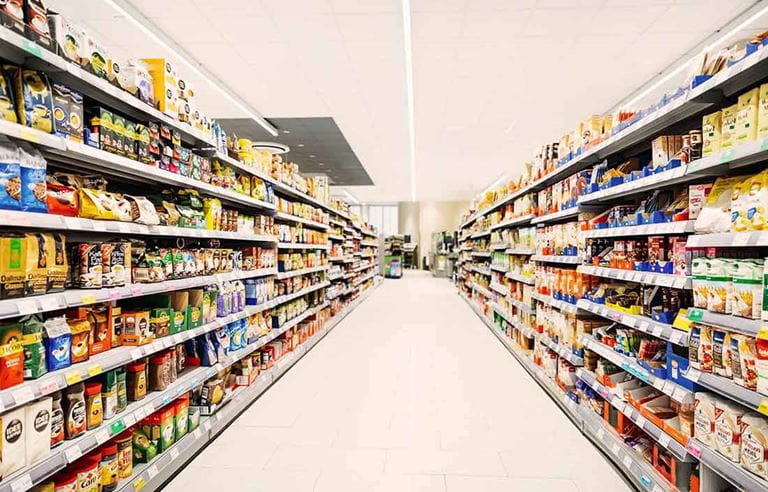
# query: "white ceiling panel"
[[493, 79]]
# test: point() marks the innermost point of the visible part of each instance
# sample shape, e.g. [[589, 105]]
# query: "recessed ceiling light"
[[286, 131], [311, 156], [300, 145], [321, 163]]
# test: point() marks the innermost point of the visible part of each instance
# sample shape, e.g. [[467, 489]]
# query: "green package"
[[143, 449], [34, 348]]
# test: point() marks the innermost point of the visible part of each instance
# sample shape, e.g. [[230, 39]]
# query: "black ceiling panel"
[[319, 137]]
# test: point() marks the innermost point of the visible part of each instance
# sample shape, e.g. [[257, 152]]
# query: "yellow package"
[[739, 196], [711, 128], [212, 211], [715, 215], [7, 109], [762, 112], [757, 201], [728, 132], [97, 204], [746, 116], [244, 184]]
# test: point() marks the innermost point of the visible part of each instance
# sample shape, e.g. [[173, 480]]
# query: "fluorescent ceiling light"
[[694, 58], [409, 92], [351, 197], [127, 10]]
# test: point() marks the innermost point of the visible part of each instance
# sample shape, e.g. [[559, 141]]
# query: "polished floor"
[[410, 392]]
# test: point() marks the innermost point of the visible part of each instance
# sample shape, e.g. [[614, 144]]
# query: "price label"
[[88, 299], [628, 320], [727, 156], [33, 49], [102, 436], [136, 291], [23, 395], [73, 377], [693, 374], [138, 484], [72, 453], [117, 427], [152, 472], [763, 406], [657, 331], [48, 386], [664, 440], [136, 354], [206, 426], [668, 388], [129, 420], [26, 307], [174, 453], [22, 483], [94, 369], [50, 303], [627, 462], [616, 448], [640, 421], [643, 326], [197, 433], [679, 393], [694, 449]]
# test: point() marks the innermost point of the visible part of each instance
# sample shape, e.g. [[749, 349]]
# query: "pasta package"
[[706, 348], [748, 361]]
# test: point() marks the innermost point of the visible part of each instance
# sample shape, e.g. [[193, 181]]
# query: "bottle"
[[122, 395], [109, 394], [108, 467], [93, 406]]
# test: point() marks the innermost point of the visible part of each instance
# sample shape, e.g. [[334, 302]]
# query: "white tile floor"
[[411, 392]]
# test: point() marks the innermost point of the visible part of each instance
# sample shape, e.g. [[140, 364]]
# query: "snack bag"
[[10, 176], [739, 197], [715, 216], [757, 201], [34, 193]]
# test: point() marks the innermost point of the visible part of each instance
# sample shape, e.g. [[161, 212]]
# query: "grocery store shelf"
[[481, 271], [730, 322], [569, 260], [555, 216], [638, 322], [372, 244], [733, 158], [336, 277], [81, 297], [302, 246], [648, 278], [303, 271], [363, 267], [520, 251], [498, 246], [733, 472], [498, 268], [499, 288], [728, 239], [728, 388], [525, 219], [93, 159], [364, 278], [301, 220], [630, 365], [487, 293], [519, 278], [527, 331], [480, 234], [641, 185], [339, 223], [333, 237], [618, 402], [680, 227], [561, 305], [561, 351], [526, 308], [642, 474], [481, 253], [34, 220], [341, 259]]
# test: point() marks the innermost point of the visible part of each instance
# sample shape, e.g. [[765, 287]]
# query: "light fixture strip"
[[126, 9], [691, 59], [409, 92]]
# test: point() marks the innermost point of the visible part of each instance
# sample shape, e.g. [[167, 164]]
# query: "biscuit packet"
[[754, 444], [719, 284], [747, 288], [699, 282]]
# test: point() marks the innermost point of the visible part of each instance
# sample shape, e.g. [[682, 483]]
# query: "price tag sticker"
[[73, 377], [26, 306], [657, 331], [627, 462], [48, 386], [628, 320], [50, 303], [664, 439], [72, 453], [94, 370], [694, 449], [138, 484], [22, 483], [136, 354], [136, 291], [616, 448], [102, 436], [129, 420], [206, 426], [152, 472], [23, 395], [197, 433], [174, 453], [693, 374], [679, 393], [763, 406], [668, 388], [675, 336], [643, 326], [640, 421]]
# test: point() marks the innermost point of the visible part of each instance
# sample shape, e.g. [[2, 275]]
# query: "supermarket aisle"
[[411, 392]]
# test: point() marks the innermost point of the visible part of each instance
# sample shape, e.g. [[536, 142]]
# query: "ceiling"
[[492, 79], [315, 142]]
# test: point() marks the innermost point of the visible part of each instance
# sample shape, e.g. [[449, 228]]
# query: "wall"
[[422, 219]]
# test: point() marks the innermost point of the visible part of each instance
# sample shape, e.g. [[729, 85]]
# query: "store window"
[[384, 218]]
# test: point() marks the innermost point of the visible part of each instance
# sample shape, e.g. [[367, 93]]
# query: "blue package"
[[58, 344], [222, 340], [34, 193], [206, 351], [10, 176]]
